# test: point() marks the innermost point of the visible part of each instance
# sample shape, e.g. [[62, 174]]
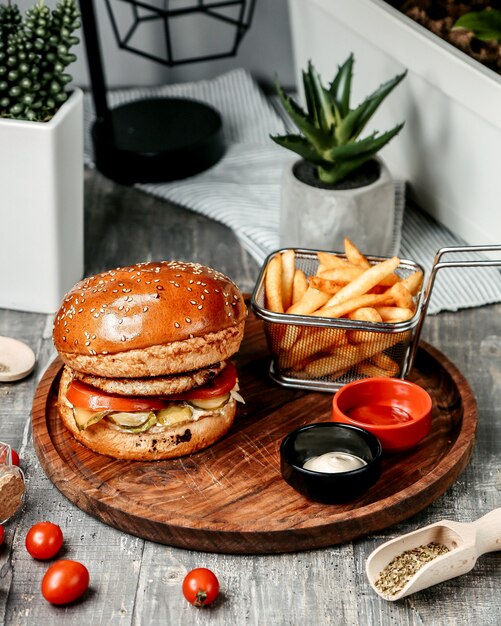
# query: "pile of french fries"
[[350, 288]]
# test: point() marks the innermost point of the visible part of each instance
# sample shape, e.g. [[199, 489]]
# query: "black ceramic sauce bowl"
[[316, 439]]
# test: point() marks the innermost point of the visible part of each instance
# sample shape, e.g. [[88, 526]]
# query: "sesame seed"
[[188, 320], [145, 309], [192, 302], [176, 325]]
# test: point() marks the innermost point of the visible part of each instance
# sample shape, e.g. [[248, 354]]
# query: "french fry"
[[340, 360], [289, 336], [366, 314], [354, 255], [326, 259], [361, 285], [288, 269], [413, 282], [341, 275], [344, 308], [344, 275], [386, 363], [312, 300], [370, 369], [394, 314], [273, 285], [402, 297], [299, 286], [324, 284], [346, 357], [312, 341]]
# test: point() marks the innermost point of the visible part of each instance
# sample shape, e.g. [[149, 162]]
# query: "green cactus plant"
[[34, 55], [330, 128]]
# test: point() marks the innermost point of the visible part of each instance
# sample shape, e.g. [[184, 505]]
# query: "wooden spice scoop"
[[466, 542]]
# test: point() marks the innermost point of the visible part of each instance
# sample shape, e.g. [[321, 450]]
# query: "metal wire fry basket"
[[323, 354]]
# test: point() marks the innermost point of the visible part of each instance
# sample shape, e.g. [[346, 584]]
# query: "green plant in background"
[[485, 25], [330, 128], [34, 55]]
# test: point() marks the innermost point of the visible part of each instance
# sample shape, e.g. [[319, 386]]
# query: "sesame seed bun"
[[150, 319]]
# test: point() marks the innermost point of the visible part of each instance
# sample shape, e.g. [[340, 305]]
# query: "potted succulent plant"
[[339, 188], [450, 151], [41, 156]]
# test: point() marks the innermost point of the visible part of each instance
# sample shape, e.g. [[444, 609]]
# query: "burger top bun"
[[150, 319]]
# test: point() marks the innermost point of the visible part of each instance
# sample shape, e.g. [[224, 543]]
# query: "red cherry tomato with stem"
[[44, 540], [65, 581], [200, 586]]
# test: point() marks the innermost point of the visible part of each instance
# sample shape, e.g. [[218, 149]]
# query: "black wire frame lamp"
[[157, 139]]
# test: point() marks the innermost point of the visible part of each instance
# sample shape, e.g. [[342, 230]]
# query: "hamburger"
[[147, 352]]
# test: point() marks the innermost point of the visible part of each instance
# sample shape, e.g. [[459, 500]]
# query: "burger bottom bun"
[[152, 386], [171, 443], [172, 358]]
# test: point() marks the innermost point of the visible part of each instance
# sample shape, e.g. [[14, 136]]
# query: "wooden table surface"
[[138, 582]]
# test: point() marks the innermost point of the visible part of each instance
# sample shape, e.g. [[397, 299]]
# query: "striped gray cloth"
[[242, 190]]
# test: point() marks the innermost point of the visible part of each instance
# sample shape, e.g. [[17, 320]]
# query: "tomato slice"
[[219, 386], [87, 397]]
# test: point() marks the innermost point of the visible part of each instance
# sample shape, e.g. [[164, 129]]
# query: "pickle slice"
[[151, 421], [210, 403], [175, 414], [129, 420], [86, 417]]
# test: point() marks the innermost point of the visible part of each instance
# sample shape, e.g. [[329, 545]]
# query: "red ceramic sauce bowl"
[[396, 411]]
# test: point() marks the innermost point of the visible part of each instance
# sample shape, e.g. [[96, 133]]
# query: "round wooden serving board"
[[231, 497]]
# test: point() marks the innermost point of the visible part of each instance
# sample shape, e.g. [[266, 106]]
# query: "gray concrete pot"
[[320, 218]]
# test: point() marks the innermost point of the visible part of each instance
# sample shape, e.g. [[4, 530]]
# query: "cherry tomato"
[[44, 540], [200, 586], [65, 581], [2, 535], [219, 386], [15, 458], [87, 397]]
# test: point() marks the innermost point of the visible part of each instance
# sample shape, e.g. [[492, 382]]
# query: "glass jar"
[[12, 485]]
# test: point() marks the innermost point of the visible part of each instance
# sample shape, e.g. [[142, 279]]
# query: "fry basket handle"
[[438, 264]]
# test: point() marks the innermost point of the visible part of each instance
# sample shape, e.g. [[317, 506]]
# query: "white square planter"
[[450, 148], [41, 208]]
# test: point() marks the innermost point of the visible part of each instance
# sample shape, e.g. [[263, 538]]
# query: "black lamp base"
[[157, 140]]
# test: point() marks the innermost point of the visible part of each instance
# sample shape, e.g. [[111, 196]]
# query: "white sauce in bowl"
[[334, 462]]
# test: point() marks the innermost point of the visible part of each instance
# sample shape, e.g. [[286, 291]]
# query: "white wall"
[[265, 49]]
